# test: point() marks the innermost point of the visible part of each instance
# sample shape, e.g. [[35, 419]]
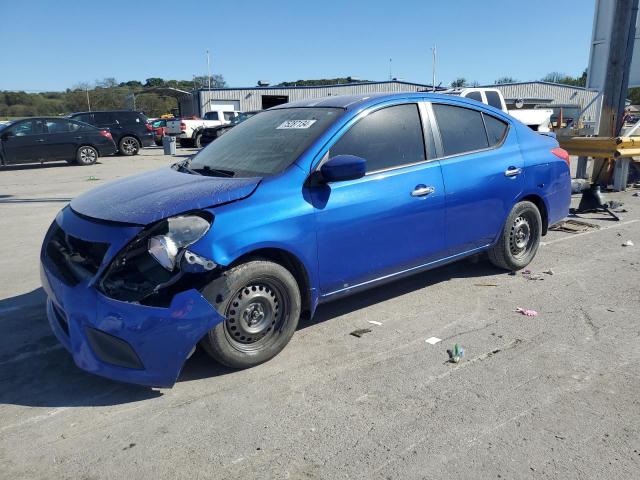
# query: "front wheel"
[[261, 303], [197, 142], [86, 155], [128, 146], [520, 238]]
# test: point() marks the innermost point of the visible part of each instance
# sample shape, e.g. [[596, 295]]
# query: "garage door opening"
[[269, 101]]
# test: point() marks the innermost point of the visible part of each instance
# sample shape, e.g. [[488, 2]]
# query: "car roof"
[[351, 102]]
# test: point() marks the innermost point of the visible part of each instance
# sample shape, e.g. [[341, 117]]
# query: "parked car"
[[189, 130], [301, 204], [209, 134], [44, 139], [159, 126], [131, 130]]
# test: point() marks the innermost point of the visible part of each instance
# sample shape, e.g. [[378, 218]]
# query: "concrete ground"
[[552, 396]]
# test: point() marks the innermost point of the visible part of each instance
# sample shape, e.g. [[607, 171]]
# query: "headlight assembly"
[[181, 232]]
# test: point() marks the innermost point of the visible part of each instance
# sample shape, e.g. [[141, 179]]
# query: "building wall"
[[251, 98], [560, 94]]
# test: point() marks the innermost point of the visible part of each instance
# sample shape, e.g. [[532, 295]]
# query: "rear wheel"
[[261, 303], [86, 155], [197, 141], [128, 146], [520, 238], [186, 142]]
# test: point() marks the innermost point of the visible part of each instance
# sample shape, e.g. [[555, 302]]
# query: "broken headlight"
[[156, 264], [181, 232]]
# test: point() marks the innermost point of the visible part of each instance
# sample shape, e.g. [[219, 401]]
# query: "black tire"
[[86, 155], [520, 238], [186, 142], [261, 303], [128, 146], [197, 141]]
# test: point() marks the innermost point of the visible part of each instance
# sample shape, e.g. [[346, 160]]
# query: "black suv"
[[131, 130]]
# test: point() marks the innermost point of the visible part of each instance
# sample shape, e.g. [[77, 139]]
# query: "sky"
[[54, 45]]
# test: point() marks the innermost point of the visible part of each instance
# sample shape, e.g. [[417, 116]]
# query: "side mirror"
[[6, 135], [343, 167]]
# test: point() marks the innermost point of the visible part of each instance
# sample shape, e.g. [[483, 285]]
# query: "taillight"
[[149, 127], [106, 134], [561, 153], [183, 126]]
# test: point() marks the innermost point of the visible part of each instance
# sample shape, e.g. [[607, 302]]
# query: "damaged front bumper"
[[124, 341]]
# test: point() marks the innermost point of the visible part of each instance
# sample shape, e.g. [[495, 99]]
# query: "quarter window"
[[496, 129], [386, 138], [475, 95], [461, 129]]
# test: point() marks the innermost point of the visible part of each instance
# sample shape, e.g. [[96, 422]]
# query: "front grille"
[[70, 258]]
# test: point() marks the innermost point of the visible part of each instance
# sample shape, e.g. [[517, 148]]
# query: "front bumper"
[[119, 340]]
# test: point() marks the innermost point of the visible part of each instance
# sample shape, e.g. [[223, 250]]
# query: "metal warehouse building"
[[198, 102], [552, 95]]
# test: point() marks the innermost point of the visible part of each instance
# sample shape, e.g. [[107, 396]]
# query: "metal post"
[[88, 103], [433, 78], [616, 80], [581, 169]]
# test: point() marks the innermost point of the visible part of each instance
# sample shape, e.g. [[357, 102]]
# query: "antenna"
[[390, 69], [433, 80], [209, 70]]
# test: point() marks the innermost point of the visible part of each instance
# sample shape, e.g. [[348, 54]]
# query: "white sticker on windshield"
[[294, 124]]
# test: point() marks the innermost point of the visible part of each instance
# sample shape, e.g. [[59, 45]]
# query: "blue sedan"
[[301, 204]]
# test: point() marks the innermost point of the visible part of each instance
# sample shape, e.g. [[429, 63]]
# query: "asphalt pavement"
[[553, 396]]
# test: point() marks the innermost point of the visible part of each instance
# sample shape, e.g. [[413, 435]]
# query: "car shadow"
[[33, 166], [35, 370]]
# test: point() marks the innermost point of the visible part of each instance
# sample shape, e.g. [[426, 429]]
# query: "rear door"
[[392, 219], [61, 141], [482, 171]]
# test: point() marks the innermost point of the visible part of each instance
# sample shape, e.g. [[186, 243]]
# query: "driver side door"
[[24, 142], [391, 220]]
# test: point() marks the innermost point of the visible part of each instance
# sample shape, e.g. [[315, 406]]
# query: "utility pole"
[[209, 79], [616, 81], [88, 103], [390, 71], [433, 79]]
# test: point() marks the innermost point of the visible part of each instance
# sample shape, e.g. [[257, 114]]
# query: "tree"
[[557, 77], [503, 80], [217, 81], [154, 82], [634, 96], [459, 82]]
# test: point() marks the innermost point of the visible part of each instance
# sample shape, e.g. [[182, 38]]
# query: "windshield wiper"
[[184, 167], [214, 172]]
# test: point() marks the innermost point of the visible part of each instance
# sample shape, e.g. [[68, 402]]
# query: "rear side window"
[[75, 126], [57, 126], [474, 96], [229, 116], [386, 138], [104, 118], [493, 99], [496, 129], [85, 117], [461, 129], [211, 116]]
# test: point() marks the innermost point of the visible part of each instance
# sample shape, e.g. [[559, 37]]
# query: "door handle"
[[79, 137], [512, 172], [40, 140], [422, 190]]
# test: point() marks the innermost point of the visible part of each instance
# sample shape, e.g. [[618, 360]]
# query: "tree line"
[[105, 94]]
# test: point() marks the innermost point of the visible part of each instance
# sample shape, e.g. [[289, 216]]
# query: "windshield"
[[265, 144]]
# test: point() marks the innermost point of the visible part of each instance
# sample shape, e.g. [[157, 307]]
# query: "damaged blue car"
[[298, 205]]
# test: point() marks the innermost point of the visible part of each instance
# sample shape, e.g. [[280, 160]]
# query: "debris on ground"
[[526, 271], [529, 275], [373, 322], [610, 310], [359, 332], [548, 271], [433, 340], [512, 273], [456, 354], [628, 243], [574, 226], [91, 178], [528, 313], [485, 284]]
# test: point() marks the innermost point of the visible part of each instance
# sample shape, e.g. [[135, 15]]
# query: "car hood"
[[148, 197]]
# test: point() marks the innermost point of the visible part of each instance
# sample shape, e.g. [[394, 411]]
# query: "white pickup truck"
[[538, 119], [189, 130]]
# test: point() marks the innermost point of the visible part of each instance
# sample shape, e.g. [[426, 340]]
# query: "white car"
[[189, 130]]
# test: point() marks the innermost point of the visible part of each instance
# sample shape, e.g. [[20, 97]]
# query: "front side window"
[[104, 118], [264, 144], [461, 129], [229, 116], [387, 138], [28, 127]]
